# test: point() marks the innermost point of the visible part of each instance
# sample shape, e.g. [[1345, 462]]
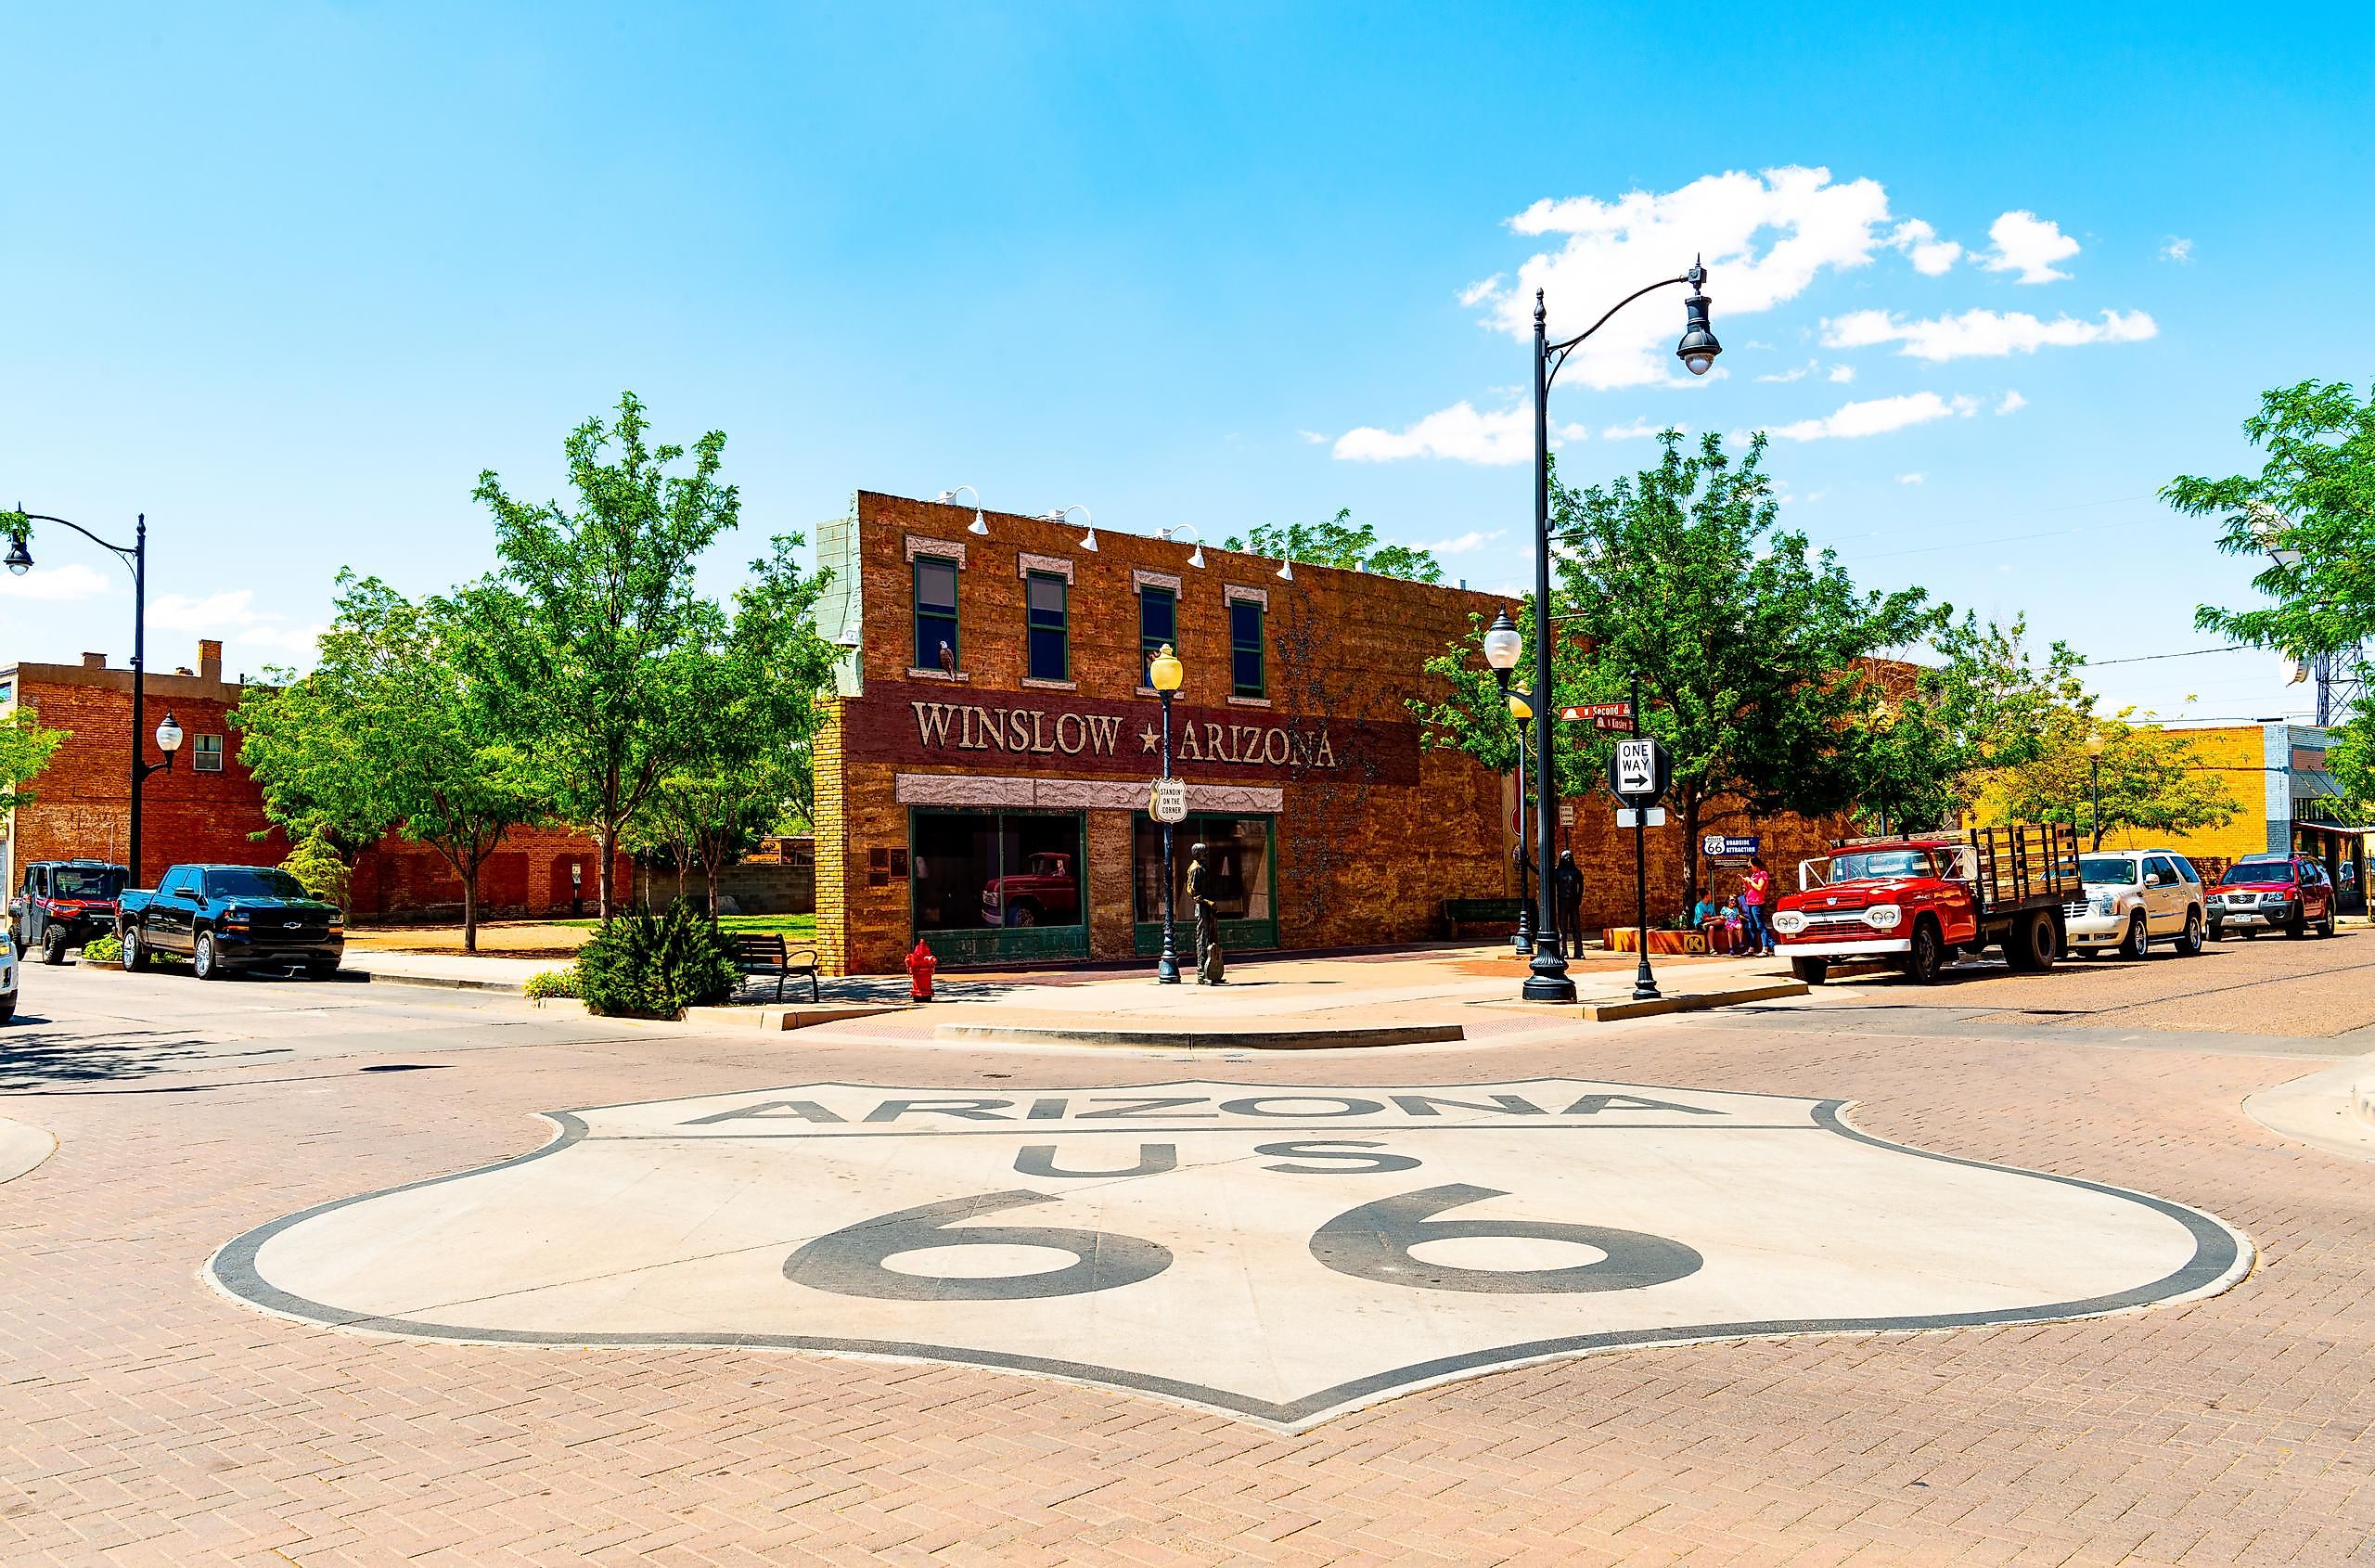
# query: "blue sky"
[[285, 278]]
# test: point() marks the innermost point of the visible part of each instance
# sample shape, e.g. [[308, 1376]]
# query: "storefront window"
[[935, 614], [1240, 859], [1245, 648], [1158, 625], [974, 870], [1050, 642]]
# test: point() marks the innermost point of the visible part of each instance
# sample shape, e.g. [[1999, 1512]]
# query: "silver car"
[[10, 965], [2135, 897]]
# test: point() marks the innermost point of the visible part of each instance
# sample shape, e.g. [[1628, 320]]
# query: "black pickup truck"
[[228, 917]]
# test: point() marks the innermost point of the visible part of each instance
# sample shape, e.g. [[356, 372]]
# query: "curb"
[[440, 982], [1618, 1010], [1203, 1039]]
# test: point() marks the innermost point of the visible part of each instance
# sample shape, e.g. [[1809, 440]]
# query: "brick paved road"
[[145, 1419]]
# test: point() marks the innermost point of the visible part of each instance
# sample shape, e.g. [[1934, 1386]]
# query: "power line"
[[2190, 653]]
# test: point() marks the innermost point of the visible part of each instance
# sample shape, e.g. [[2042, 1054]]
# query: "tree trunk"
[[709, 867], [471, 907], [604, 836]]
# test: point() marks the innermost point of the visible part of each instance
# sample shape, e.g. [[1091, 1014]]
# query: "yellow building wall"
[[2240, 757]]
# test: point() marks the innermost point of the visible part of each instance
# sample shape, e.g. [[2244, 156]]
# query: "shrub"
[[103, 950], [548, 983], [656, 966], [317, 865]]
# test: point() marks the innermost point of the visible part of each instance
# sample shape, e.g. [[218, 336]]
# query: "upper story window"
[[1045, 617], [1158, 625], [207, 756], [936, 644], [1246, 672]]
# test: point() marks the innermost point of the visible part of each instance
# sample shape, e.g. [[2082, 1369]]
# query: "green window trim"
[[1150, 643], [934, 624], [1241, 649], [1040, 633]]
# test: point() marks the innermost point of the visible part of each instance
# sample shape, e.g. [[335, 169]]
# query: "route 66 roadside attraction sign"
[[1280, 1253]]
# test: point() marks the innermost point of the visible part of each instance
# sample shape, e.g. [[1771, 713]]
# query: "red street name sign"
[[1597, 711]]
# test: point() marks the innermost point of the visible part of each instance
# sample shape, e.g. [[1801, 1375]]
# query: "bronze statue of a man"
[[1208, 921]]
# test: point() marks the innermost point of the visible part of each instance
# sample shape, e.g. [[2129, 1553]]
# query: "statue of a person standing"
[[1208, 921]]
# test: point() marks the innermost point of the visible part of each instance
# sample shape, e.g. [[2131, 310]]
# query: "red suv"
[[2287, 893]]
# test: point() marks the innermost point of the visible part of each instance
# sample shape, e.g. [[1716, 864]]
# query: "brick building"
[[208, 808], [992, 801]]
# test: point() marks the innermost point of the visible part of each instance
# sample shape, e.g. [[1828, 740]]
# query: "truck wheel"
[[2137, 942], [2190, 944], [1022, 914], [136, 951], [204, 961], [2326, 926], [1813, 971], [2031, 946], [53, 946], [1924, 959], [2297, 926], [8, 1006]]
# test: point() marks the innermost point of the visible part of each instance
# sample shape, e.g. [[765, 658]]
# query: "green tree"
[[2150, 779], [601, 660], [25, 750], [2350, 758], [2310, 509], [1923, 755], [1748, 647], [1338, 542], [387, 730]]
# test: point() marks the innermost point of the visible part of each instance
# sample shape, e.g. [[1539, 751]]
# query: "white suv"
[[9, 965], [2135, 897]]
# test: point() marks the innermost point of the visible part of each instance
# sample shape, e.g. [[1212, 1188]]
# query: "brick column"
[[832, 841]]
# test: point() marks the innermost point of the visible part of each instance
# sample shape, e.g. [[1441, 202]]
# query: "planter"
[[1625, 939]]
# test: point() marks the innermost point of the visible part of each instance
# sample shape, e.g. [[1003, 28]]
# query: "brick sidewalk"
[[145, 1419]]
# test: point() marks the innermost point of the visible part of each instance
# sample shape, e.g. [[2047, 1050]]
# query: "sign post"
[[1638, 772]]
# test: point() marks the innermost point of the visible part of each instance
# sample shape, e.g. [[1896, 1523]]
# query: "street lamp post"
[[2095, 788], [1546, 978], [136, 560], [1163, 673], [1503, 647]]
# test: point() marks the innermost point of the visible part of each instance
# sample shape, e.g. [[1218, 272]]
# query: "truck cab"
[[1919, 901], [1044, 892]]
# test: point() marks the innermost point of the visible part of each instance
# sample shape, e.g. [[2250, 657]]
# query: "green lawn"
[[762, 925]]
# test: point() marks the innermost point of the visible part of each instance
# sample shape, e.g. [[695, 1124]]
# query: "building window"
[[1051, 654], [936, 644], [1245, 648], [1240, 858], [207, 757], [1158, 625], [979, 869]]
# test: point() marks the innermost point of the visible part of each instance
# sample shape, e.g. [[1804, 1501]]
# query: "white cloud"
[[1461, 543], [1930, 256], [2028, 245], [300, 640], [1981, 333], [2177, 250], [2013, 402], [230, 610], [1458, 432], [1638, 428], [1800, 374], [55, 585], [1484, 290], [1314, 437], [1842, 373], [1876, 417], [1764, 238], [1910, 479]]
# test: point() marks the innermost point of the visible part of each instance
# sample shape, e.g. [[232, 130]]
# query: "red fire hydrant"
[[920, 963]]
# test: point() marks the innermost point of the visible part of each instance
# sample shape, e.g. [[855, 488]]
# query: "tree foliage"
[[388, 731], [2310, 509], [1748, 647], [1338, 542], [656, 966], [603, 664], [25, 750]]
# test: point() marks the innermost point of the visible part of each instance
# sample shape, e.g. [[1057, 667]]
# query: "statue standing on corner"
[[1208, 921]]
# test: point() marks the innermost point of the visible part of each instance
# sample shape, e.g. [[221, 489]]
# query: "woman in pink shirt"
[[1756, 895]]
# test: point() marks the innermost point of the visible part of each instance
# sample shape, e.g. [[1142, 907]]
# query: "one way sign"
[[1638, 772]]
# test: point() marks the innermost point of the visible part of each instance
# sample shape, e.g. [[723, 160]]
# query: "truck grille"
[[2075, 911]]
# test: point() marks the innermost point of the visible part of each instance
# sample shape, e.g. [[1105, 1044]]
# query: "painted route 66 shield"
[[1278, 1253]]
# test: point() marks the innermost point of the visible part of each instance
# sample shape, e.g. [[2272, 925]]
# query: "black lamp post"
[[1546, 978], [169, 734], [1163, 673], [1503, 647]]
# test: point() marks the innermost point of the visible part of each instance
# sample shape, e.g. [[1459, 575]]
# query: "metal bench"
[[1459, 912], [767, 954]]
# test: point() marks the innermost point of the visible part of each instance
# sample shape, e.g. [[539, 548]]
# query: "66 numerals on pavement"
[[1374, 1242]]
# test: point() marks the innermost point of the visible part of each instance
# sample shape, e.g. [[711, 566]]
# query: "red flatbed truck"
[[1921, 899]]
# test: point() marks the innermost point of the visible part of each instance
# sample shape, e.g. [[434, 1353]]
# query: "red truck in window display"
[[1919, 900], [1046, 894]]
